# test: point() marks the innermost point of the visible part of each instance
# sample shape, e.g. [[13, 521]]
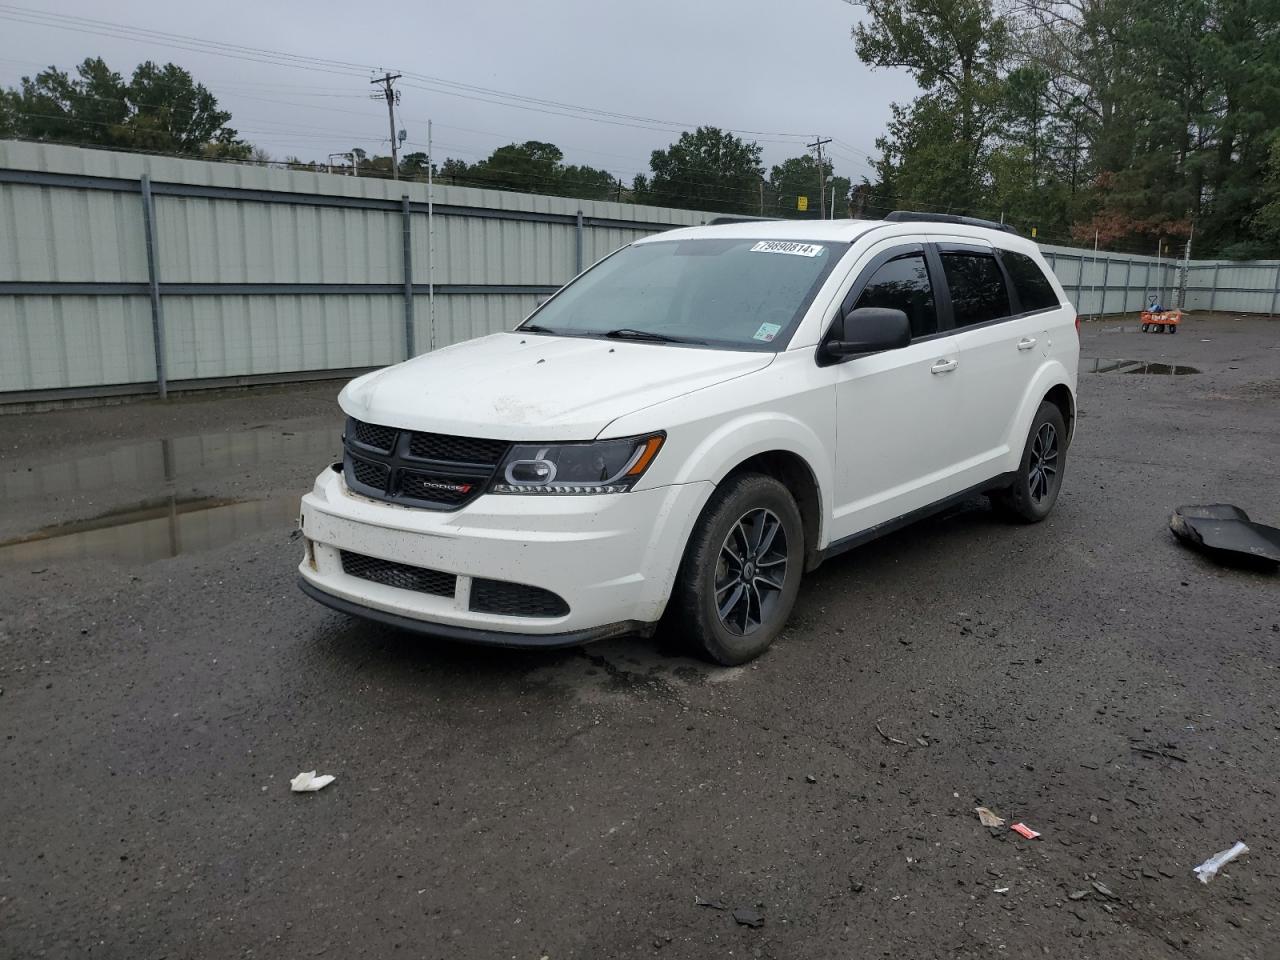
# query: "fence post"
[[407, 227], [1213, 291], [578, 258], [1124, 302], [1106, 274], [1275, 291], [153, 283]]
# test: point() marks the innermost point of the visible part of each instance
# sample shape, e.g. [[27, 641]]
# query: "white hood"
[[513, 386]]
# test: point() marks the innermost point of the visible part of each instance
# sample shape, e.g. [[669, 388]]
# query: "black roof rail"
[[721, 221], [915, 216]]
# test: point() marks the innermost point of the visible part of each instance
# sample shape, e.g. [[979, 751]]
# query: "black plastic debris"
[[748, 916], [1225, 533]]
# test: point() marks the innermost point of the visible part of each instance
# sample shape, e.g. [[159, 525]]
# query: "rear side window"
[[977, 288], [1034, 290], [903, 284]]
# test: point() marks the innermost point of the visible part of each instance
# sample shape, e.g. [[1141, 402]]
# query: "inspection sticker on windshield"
[[788, 246], [767, 332]]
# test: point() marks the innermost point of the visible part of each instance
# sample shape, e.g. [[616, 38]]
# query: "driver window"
[[903, 284]]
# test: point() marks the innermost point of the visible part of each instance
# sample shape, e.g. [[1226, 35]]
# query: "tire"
[[1039, 478], [1146, 327], [1173, 328], [744, 507]]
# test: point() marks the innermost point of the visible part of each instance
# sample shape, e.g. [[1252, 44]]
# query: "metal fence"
[[1104, 283], [124, 273]]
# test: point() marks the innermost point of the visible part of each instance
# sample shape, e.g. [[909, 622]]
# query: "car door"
[[896, 447], [999, 347]]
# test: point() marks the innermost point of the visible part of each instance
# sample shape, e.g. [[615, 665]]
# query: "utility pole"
[[822, 174], [392, 96]]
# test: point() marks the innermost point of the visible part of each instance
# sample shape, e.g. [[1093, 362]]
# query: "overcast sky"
[[786, 70]]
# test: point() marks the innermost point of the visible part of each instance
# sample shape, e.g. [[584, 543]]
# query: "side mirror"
[[869, 330]]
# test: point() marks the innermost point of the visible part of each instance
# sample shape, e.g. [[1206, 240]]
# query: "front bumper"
[[492, 638], [611, 558]]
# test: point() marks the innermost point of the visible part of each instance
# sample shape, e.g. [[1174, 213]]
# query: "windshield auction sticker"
[[767, 332], [788, 246]]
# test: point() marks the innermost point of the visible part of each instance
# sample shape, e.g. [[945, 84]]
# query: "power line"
[[341, 67]]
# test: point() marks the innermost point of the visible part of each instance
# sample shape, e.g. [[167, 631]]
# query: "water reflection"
[[1103, 365], [160, 463], [149, 531]]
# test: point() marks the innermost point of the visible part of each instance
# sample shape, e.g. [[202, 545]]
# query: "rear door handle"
[[1026, 343], [944, 366]]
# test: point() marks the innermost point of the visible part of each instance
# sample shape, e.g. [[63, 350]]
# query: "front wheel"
[[1035, 488], [741, 570]]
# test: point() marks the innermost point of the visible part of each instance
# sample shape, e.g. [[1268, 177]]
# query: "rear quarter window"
[[1034, 290]]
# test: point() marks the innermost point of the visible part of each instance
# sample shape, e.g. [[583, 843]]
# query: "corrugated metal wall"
[[266, 272]]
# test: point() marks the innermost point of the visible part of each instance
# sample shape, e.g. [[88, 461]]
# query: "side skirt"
[[897, 523]]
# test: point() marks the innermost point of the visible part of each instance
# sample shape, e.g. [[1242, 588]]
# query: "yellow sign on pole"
[[1033, 232], [802, 203]]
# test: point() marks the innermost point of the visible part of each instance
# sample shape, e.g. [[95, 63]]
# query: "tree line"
[[1124, 120], [705, 169], [159, 109]]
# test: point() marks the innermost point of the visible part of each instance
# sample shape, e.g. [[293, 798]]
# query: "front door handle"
[[944, 366], [1026, 343]]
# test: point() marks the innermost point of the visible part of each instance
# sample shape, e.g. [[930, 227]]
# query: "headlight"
[[603, 466]]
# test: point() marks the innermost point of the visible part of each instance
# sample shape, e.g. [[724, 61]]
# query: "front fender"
[[718, 453]]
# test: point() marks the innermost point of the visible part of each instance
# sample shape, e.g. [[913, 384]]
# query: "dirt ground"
[[162, 679]]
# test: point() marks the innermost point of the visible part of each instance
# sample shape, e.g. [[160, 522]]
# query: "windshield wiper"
[[533, 328], [627, 333]]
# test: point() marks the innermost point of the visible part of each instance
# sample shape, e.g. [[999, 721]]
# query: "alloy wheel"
[[1043, 468], [750, 571]]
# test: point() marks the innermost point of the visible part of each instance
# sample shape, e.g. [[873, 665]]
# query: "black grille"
[[398, 574], [435, 446], [372, 435], [428, 470], [370, 474], [515, 600]]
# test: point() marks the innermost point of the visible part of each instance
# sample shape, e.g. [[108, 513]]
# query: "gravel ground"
[[161, 681]]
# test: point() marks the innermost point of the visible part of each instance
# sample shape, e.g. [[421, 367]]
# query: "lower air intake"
[[399, 575], [515, 600]]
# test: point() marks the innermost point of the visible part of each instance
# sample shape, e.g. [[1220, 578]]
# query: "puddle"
[[1101, 365], [160, 463], [145, 532]]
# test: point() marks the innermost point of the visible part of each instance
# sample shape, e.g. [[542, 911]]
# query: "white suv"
[[690, 425]]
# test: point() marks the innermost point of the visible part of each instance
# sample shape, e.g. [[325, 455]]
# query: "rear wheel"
[[741, 570], [1034, 491]]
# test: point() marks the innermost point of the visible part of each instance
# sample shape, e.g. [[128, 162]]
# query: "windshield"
[[731, 294]]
